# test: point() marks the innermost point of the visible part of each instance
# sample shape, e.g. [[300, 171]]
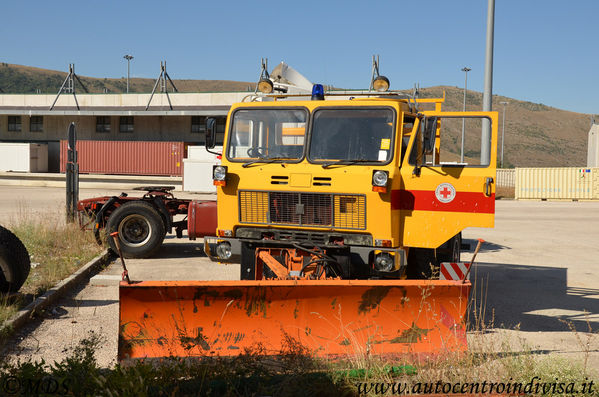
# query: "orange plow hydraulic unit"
[[344, 215]]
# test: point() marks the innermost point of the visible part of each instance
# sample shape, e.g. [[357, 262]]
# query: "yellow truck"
[[340, 210]]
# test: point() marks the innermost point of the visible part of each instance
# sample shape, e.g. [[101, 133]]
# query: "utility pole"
[[128, 58], [465, 70], [485, 145], [503, 130]]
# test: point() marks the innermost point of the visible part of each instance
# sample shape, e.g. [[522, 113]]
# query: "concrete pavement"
[[536, 278]]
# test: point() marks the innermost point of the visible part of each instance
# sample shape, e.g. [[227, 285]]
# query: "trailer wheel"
[[141, 229], [14, 262]]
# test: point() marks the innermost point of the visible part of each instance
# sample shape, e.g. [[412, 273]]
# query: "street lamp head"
[[504, 103], [128, 57], [466, 69]]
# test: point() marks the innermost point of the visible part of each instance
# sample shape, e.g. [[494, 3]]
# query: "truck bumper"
[[359, 255]]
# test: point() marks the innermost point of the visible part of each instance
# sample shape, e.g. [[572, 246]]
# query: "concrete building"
[[30, 118]]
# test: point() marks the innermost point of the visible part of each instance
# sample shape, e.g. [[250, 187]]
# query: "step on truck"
[[339, 210]]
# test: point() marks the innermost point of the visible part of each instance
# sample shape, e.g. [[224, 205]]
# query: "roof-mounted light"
[[317, 92], [377, 82], [380, 84], [265, 86]]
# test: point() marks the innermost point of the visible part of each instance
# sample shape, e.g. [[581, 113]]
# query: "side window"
[[126, 124], [14, 123], [448, 148], [36, 124]]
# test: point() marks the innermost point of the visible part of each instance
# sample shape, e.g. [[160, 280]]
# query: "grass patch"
[[56, 250], [293, 374]]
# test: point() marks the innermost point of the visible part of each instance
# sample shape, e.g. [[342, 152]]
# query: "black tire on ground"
[[14, 262], [450, 250], [141, 229]]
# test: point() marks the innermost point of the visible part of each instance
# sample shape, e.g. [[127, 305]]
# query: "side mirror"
[[429, 134], [210, 139]]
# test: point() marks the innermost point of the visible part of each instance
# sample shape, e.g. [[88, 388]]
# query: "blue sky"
[[544, 50]]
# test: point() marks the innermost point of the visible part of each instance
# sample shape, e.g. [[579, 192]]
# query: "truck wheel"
[[450, 250], [14, 262], [422, 264], [141, 229]]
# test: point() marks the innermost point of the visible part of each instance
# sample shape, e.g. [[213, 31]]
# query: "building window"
[[103, 124], [198, 124], [14, 123], [36, 124], [221, 122], [126, 124]]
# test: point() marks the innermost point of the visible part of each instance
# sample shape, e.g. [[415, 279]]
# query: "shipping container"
[[557, 183], [24, 157], [127, 157]]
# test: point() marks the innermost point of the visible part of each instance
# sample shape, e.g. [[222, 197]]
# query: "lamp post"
[[128, 58], [503, 130], [465, 70]]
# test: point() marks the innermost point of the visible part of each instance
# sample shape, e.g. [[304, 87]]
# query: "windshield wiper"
[[266, 160], [347, 162]]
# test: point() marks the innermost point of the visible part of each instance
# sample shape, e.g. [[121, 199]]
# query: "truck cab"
[[366, 184]]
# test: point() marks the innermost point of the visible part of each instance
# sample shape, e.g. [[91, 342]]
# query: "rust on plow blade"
[[328, 317]]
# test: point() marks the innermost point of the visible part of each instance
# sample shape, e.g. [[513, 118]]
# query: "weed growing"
[[56, 250]]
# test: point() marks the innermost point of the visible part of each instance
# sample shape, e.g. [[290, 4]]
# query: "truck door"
[[445, 188]]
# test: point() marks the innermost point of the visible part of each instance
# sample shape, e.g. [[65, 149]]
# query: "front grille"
[[253, 207], [306, 209]]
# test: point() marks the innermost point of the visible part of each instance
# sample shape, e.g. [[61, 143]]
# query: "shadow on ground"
[[486, 247], [171, 249], [533, 298]]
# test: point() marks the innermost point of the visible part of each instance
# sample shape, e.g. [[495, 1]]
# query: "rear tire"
[[14, 262], [450, 250], [141, 229], [424, 263]]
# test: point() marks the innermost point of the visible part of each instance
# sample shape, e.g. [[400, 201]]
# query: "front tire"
[[140, 227], [14, 262]]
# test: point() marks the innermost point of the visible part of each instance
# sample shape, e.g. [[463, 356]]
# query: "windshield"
[[361, 135], [261, 134]]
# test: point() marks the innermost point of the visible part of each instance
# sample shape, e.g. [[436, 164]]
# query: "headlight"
[[380, 178], [223, 250], [384, 262], [219, 173]]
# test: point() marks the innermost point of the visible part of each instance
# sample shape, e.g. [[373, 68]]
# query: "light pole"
[[465, 70], [503, 130], [128, 58]]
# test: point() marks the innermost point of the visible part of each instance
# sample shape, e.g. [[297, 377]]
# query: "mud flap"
[[327, 317]]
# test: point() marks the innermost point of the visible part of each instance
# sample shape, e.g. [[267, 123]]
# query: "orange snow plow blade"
[[328, 317]]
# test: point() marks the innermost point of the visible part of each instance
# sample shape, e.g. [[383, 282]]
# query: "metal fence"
[[506, 177]]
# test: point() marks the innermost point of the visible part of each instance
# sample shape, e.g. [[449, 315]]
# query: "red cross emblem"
[[445, 192]]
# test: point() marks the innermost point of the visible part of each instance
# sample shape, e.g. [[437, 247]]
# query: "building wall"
[[146, 128]]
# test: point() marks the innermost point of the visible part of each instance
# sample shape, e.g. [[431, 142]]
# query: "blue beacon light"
[[317, 92]]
